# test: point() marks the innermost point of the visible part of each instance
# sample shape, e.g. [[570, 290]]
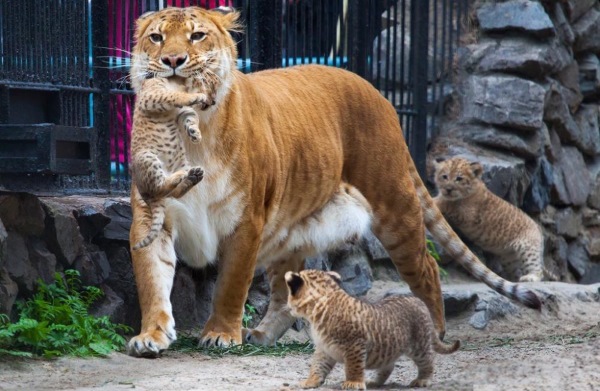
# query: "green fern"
[[56, 322], [434, 253]]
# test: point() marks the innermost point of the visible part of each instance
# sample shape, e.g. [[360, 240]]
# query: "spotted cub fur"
[[488, 221], [360, 334], [159, 165]]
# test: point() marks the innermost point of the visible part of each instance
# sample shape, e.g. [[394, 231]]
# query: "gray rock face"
[[568, 223], [493, 308], [93, 266], [373, 247], [589, 75], [120, 220], [589, 135], [3, 236], [579, 259], [563, 27], [528, 146], [571, 183], [515, 15], [576, 8], [537, 196], [568, 78], [64, 239], [587, 32], [8, 292], [594, 197], [23, 213], [18, 266], [558, 116], [592, 276], [504, 100], [456, 303], [353, 267], [42, 260], [526, 57]]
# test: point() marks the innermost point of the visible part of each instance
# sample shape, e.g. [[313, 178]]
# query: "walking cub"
[[159, 165], [488, 221], [360, 334]]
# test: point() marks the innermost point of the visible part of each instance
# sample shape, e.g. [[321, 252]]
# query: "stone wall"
[[43, 235], [526, 106]]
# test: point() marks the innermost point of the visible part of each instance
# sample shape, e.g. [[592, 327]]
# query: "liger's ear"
[[477, 169], [294, 282], [142, 23], [228, 18]]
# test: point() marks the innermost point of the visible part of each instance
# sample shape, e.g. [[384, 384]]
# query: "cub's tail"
[[157, 211], [441, 230], [440, 347]]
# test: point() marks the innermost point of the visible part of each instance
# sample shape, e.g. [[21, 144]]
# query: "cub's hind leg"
[[278, 318], [188, 120], [531, 259], [154, 269], [381, 376]]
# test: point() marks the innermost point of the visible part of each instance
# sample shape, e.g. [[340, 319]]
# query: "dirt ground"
[[558, 349]]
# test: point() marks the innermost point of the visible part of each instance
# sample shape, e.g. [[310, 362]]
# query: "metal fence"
[[66, 103]]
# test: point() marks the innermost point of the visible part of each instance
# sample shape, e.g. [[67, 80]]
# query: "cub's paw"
[[530, 278], [419, 383], [195, 175], [194, 134], [354, 385], [221, 340], [150, 344], [257, 337], [311, 382]]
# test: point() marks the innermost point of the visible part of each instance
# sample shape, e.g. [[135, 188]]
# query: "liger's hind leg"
[[278, 318]]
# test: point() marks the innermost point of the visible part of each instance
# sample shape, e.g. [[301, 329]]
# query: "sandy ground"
[[558, 349]]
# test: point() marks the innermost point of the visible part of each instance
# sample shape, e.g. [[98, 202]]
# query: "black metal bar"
[[419, 48], [101, 100], [265, 34]]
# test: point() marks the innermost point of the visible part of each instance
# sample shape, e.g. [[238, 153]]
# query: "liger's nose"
[[174, 61]]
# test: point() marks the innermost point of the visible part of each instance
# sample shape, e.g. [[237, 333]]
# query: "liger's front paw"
[[257, 337], [419, 383], [150, 344], [220, 339], [354, 385]]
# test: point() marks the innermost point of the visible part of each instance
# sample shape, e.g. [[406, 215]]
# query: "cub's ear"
[[437, 161], [336, 277], [142, 23], [477, 169], [294, 282]]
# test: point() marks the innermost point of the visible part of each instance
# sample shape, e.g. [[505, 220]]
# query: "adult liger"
[[296, 161]]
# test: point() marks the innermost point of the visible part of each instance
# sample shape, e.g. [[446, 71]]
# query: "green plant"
[[56, 321], [249, 312], [434, 253]]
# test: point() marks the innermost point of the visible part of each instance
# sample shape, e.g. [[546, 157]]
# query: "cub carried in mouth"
[[360, 334]]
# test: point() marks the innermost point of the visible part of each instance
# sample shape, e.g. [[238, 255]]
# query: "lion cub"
[[490, 222], [360, 334], [159, 164]]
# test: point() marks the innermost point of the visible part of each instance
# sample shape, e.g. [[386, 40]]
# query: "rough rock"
[[93, 267], [579, 259], [587, 32], [589, 134], [537, 196], [553, 148], [589, 75], [41, 259], [320, 262], [18, 265], [92, 222], [528, 146], [384, 270], [592, 242], [62, 231], [111, 305], [373, 247], [504, 100], [562, 25], [120, 220], [576, 8], [592, 276], [590, 217], [470, 56], [571, 183], [23, 213], [456, 302], [593, 200], [515, 15], [557, 252], [568, 223], [191, 297], [526, 57], [8, 292], [259, 295], [568, 78], [3, 236], [558, 116], [493, 308], [353, 266]]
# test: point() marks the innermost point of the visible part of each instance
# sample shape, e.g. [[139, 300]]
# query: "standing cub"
[[490, 222], [362, 335]]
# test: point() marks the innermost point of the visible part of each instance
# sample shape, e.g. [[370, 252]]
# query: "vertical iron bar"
[[101, 100], [265, 30], [420, 29]]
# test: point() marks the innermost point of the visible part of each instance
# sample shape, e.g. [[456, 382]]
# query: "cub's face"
[[307, 287], [183, 42], [457, 178]]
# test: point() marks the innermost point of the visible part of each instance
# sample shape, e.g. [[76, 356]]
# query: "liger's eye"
[[197, 36], [459, 178], [156, 38], [444, 177]]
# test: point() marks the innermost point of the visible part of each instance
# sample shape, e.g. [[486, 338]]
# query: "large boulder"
[[62, 231], [526, 57], [23, 213], [515, 16], [528, 146], [571, 184], [577, 8], [506, 101], [587, 32]]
